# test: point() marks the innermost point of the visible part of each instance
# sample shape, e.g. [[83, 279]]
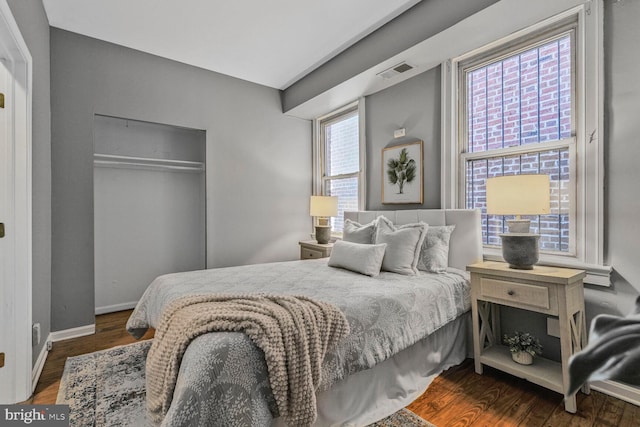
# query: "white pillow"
[[358, 233], [403, 245], [434, 256], [358, 257]]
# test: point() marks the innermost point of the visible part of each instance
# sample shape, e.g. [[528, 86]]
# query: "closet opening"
[[149, 206]]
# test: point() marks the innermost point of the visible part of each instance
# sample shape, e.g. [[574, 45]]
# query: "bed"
[[405, 329]]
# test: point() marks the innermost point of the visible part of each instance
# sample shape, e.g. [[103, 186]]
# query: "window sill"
[[599, 275]]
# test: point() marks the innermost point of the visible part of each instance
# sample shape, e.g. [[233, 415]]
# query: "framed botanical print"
[[402, 173]]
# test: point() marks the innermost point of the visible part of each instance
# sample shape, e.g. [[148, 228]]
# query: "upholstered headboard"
[[465, 246]]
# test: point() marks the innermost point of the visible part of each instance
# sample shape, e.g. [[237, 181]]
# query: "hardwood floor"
[[110, 332], [457, 398]]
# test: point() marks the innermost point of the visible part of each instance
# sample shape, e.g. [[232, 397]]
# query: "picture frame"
[[402, 173]]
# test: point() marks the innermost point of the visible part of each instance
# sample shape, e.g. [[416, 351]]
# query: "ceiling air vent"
[[395, 70]]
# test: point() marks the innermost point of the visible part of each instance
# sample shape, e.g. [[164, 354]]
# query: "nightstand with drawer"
[[552, 291], [310, 249]]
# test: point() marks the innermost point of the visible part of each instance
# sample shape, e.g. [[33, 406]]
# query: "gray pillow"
[[434, 256], [358, 257], [358, 233], [403, 245]]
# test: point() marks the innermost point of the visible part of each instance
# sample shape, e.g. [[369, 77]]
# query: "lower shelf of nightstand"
[[543, 372]]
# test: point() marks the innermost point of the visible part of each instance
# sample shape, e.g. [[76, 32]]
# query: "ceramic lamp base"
[[520, 250], [323, 234]]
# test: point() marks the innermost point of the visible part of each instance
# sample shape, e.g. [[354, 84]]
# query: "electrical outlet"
[[35, 334]]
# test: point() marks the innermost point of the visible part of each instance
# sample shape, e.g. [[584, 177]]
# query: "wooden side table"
[[310, 249], [552, 291]]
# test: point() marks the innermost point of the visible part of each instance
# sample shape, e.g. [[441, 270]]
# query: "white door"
[[15, 212], [7, 344]]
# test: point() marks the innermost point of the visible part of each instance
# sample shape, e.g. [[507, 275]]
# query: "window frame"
[[319, 152], [510, 49], [589, 132]]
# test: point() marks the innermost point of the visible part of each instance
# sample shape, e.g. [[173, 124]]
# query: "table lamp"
[[519, 195], [323, 207]]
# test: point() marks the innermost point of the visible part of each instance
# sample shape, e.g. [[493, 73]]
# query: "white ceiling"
[[269, 42]]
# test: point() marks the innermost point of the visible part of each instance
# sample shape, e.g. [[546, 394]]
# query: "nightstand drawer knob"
[[511, 292]]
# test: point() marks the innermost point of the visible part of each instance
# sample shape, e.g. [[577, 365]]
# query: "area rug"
[[106, 388]]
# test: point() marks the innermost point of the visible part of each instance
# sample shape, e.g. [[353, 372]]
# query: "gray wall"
[[257, 198], [622, 150], [34, 26], [412, 27], [414, 105]]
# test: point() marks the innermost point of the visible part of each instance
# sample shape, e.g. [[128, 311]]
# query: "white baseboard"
[[66, 334], [116, 307], [37, 368], [618, 390]]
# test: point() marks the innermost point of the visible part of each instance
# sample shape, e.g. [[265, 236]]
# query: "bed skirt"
[[371, 395]]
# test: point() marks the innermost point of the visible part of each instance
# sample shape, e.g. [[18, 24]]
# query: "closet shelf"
[[146, 163]]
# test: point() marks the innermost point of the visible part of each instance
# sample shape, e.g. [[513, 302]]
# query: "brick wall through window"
[[524, 99]]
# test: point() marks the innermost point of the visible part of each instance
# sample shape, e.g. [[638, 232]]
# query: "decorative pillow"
[[434, 256], [358, 257], [403, 245], [358, 233]]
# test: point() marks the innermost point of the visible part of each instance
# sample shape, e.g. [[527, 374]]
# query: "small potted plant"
[[523, 346]]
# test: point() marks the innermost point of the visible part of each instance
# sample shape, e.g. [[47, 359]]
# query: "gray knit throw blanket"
[[293, 332]]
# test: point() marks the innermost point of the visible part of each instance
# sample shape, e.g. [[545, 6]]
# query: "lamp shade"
[[323, 206], [518, 195]]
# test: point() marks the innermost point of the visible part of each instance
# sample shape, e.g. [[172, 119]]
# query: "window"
[[339, 161], [530, 101], [518, 110]]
